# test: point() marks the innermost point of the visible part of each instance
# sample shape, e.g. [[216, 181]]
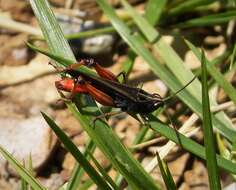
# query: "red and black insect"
[[107, 90]]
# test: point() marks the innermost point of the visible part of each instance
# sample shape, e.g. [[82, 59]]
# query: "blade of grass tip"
[[21, 170], [78, 171], [104, 173], [71, 147], [154, 10], [228, 88], [30, 165], [213, 171], [166, 175]]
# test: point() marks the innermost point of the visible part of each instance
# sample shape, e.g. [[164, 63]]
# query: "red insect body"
[[68, 84]]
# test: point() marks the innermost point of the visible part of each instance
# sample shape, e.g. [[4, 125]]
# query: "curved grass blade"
[[213, 172], [71, 147], [166, 175], [21, 170]]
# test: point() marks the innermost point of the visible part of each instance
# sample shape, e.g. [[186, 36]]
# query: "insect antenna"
[[178, 91]]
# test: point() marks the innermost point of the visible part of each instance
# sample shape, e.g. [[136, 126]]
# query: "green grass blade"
[[154, 10], [213, 171], [166, 175], [21, 170], [186, 6], [71, 147], [51, 31], [24, 185], [232, 59], [210, 20], [137, 45], [104, 173], [78, 171], [228, 88]]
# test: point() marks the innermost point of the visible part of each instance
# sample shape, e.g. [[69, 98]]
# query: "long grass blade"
[[166, 175], [78, 171], [213, 171]]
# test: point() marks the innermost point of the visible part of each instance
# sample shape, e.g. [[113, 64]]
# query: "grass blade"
[[21, 170], [103, 172], [24, 185], [71, 147], [209, 20], [153, 10], [213, 171], [166, 175], [228, 88], [50, 29], [186, 6], [78, 171]]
